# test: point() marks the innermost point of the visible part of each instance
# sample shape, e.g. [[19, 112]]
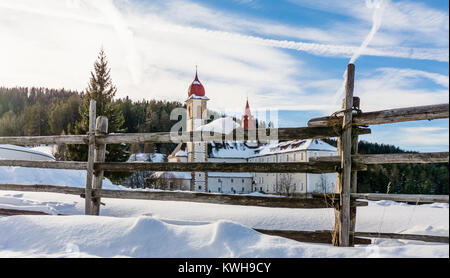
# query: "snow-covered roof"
[[222, 125], [230, 150], [229, 175], [176, 175], [151, 157], [187, 175], [22, 153], [181, 153], [296, 145], [243, 151]]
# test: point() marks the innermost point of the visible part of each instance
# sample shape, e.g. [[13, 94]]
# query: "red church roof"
[[196, 87]]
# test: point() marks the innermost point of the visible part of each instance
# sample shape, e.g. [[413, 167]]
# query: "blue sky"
[[287, 55]]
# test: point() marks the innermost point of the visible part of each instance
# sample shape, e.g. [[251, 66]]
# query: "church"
[[244, 183]]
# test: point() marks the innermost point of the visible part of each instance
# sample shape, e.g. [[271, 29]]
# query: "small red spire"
[[248, 122], [196, 75]]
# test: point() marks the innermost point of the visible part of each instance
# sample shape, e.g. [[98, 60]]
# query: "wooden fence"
[[347, 125]]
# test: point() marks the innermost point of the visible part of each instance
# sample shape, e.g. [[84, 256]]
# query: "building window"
[[219, 180], [199, 188], [301, 187], [242, 180], [294, 156], [242, 189], [301, 156], [231, 180], [287, 158]]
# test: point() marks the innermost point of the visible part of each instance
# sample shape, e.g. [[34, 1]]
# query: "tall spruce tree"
[[102, 90]]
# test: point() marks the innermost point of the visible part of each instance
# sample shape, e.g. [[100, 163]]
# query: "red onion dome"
[[196, 88]]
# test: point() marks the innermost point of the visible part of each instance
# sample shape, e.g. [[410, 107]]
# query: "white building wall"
[[230, 185]]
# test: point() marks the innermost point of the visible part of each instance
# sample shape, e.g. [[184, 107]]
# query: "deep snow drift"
[[144, 236]]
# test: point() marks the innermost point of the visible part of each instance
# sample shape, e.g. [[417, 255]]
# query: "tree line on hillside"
[[400, 178]]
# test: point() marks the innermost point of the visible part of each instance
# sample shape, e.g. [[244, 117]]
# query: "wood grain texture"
[[320, 201], [344, 183], [418, 113], [435, 157], [309, 236], [414, 198], [101, 128], [90, 162], [44, 164], [251, 167]]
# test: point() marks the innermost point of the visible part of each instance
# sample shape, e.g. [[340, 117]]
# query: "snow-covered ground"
[[142, 228]]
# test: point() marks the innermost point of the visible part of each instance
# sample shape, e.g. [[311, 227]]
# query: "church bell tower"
[[196, 117]]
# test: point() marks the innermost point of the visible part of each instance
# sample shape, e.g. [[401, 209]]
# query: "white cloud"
[[423, 135], [406, 22], [393, 88]]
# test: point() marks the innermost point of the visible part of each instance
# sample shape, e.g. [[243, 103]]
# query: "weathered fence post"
[[90, 163], [343, 216], [100, 150], [354, 179]]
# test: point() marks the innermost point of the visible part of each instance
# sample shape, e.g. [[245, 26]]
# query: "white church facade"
[[232, 152]]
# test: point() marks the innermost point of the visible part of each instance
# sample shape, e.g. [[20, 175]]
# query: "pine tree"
[[102, 90]]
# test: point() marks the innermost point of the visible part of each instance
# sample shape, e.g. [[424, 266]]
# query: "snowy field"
[[141, 228]]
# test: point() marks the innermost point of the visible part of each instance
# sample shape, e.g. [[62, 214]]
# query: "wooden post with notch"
[[100, 151], [343, 211], [90, 163]]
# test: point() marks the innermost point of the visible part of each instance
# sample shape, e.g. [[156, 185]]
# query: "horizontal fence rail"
[[324, 201], [436, 157], [309, 236], [44, 164], [427, 112], [295, 133], [324, 236], [416, 198], [49, 140], [252, 167]]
